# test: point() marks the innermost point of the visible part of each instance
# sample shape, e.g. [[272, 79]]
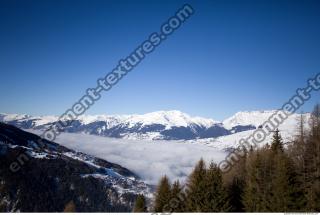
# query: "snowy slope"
[[288, 129], [257, 118], [166, 118], [169, 119], [53, 171]]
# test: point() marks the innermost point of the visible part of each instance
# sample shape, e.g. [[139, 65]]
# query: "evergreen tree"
[[296, 153], [277, 144], [140, 204], [257, 187], [177, 200], [315, 121], [163, 195], [216, 196], [196, 187], [235, 193], [312, 189], [269, 179], [235, 181], [301, 128], [286, 192]]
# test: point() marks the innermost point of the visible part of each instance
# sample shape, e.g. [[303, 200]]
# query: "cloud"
[[148, 159]]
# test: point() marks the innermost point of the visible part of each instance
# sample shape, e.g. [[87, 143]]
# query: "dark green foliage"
[[196, 187], [216, 195], [177, 200], [312, 163], [255, 189], [204, 192], [273, 178], [312, 176], [272, 183], [163, 195], [235, 194], [284, 185], [277, 144], [140, 204]]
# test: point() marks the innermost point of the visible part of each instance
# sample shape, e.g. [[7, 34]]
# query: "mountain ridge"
[[159, 125]]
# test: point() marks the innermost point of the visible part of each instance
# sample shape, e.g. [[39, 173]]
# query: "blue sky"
[[230, 56]]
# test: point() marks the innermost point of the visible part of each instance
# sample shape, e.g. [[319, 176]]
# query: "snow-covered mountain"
[[166, 125], [288, 129], [256, 118], [161, 125]]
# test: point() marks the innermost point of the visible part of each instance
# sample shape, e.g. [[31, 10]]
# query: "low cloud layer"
[[148, 159]]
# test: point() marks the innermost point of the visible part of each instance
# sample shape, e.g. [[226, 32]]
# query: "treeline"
[[274, 178]]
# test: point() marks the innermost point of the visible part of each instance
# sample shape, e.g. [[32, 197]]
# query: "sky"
[[230, 56]]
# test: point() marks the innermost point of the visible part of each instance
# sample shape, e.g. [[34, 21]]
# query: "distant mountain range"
[[55, 176], [161, 125], [46, 177]]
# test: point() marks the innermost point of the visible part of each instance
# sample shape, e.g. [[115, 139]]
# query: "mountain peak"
[[256, 118], [170, 118]]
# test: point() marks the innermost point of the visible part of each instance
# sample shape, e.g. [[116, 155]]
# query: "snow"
[[112, 120], [166, 118], [119, 182], [232, 141], [288, 129], [82, 159], [39, 120], [42, 120], [10, 117], [40, 155], [257, 118], [169, 119], [145, 136]]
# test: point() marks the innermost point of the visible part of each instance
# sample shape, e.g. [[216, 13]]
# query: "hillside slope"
[[46, 177]]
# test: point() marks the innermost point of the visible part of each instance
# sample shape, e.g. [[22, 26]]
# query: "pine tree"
[[256, 191], [301, 128], [216, 196], [178, 197], [315, 121], [235, 181], [235, 193], [163, 195], [297, 149], [140, 204], [196, 188], [312, 163], [277, 144], [285, 188], [273, 178], [296, 153]]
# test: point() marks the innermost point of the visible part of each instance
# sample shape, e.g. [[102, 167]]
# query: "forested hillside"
[[274, 178]]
